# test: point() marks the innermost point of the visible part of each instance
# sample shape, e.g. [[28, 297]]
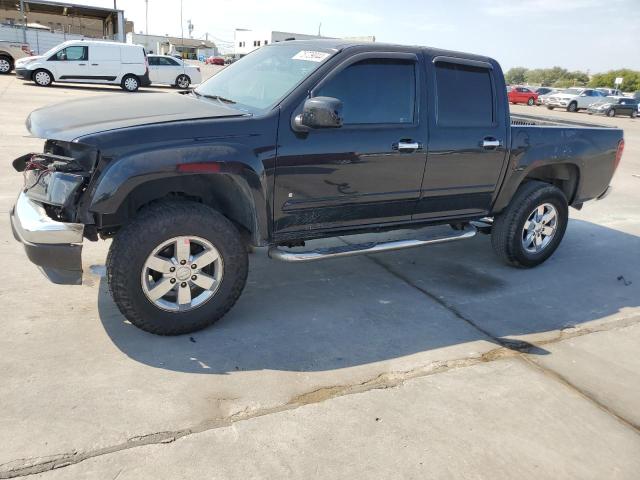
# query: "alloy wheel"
[[539, 228], [5, 66], [182, 273]]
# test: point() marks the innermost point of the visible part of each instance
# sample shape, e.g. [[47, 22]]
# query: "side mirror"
[[319, 112]]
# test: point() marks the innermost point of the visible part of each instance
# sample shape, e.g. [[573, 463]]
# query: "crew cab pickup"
[[297, 141]]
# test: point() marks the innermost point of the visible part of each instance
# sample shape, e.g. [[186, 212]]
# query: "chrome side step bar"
[[279, 253]]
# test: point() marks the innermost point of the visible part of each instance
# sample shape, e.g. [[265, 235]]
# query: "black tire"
[[130, 83], [549, 107], [572, 107], [42, 78], [611, 113], [531, 102], [183, 81], [508, 226], [6, 64], [160, 222]]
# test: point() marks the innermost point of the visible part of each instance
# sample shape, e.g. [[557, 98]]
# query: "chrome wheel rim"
[[43, 78], [183, 82], [131, 84], [182, 274], [5, 66], [540, 228]]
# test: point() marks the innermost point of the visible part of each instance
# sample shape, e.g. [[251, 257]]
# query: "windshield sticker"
[[310, 56]]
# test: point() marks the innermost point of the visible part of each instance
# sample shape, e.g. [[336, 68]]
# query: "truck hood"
[[69, 120]]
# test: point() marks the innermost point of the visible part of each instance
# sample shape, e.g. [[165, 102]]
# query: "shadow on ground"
[[341, 313]]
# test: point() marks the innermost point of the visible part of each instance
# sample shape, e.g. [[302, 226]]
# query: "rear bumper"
[[54, 247], [23, 73], [145, 81], [605, 193]]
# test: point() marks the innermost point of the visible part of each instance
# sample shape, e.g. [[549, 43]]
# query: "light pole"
[[146, 16], [24, 22]]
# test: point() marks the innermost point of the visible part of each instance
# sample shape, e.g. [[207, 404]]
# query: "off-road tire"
[[157, 223], [506, 234]]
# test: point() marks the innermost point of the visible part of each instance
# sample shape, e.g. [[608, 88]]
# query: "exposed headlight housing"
[[55, 188]]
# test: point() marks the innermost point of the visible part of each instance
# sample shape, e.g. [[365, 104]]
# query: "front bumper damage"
[[54, 247]]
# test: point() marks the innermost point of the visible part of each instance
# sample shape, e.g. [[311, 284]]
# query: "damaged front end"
[[46, 218]]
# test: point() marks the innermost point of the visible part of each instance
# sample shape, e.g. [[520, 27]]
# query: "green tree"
[[630, 82], [515, 75]]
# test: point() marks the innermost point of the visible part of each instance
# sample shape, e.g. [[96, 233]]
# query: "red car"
[[522, 95], [215, 61]]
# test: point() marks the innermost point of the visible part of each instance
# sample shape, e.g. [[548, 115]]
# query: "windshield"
[[262, 78], [573, 91]]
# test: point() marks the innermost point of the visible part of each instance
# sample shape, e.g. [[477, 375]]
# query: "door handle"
[[490, 142], [82, 64], [95, 64], [408, 146]]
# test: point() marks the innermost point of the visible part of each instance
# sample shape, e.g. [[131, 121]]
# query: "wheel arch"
[[565, 176]]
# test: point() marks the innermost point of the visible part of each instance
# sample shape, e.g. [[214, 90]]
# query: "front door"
[[71, 63], [467, 141], [370, 169]]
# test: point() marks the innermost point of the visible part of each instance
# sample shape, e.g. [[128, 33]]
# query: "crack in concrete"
[[507, 348]]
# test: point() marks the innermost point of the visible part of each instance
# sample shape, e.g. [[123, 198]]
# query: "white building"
[[186, 47], [246, 41]]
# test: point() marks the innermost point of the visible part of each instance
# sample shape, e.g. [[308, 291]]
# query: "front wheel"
[[573, 107], [611, 113], [183, 82], [530, 229], [531, 101], [633, 114], [549, 107], [42, 78], [177, 268], [130, 83]]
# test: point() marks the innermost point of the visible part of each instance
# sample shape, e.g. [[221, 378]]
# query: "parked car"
[[522, 95], [574, 99], [82, 61], [171, 71], [214, 61], [185, 184], [543, 93], [10, 52], [610, 92], [612, 106]]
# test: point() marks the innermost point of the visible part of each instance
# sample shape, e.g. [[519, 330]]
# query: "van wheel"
[[183, 81], [573, 107], [530, 102], [611, 113], [530, 229], [6, 65], [130, 83], [42, 78], [177, 268]]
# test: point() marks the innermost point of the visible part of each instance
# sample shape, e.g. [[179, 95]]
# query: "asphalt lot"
[[388, 366]]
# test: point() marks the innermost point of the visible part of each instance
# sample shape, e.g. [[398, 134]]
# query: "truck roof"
[[339, 44]]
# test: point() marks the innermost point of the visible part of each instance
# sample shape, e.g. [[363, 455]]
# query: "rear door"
[[467, 137], [370, 169], [168, 70], [104, 62]]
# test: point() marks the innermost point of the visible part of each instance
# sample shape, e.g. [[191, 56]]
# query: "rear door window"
[[464, 95], [375, 91]]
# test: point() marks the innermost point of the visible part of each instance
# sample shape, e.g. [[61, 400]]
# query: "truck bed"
[[535, 121]]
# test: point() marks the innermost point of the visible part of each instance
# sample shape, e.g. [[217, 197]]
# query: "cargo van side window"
[[464, 95], [76, 53], [376, 91]]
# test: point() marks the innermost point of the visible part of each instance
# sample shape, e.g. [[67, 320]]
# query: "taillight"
[[618, 154]]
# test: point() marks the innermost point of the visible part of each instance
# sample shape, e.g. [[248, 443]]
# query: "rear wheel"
[[42, 78], [611, 113], [531, 102], [177, 268], [633, 114], [573, 107], [183, 81], [530, 229], [550, 107], [6, 64], [130, 83]]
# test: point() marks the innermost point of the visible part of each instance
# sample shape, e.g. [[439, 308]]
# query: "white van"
[[82, 61]]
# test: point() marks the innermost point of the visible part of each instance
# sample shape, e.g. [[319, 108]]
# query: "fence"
[[39, 40]]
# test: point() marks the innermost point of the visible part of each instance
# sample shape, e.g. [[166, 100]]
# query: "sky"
[[588, 35]]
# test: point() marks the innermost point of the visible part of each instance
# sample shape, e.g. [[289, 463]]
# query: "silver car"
[[574, 99]]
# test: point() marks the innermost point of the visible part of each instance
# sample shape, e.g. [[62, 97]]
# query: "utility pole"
[[319, 27], [24, 22], [146, 16], [181, 28]]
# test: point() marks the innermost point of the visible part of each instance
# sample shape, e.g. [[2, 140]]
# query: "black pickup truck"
[[297, 141]]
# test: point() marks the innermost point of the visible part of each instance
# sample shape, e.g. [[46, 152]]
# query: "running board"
[[370, 247]]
